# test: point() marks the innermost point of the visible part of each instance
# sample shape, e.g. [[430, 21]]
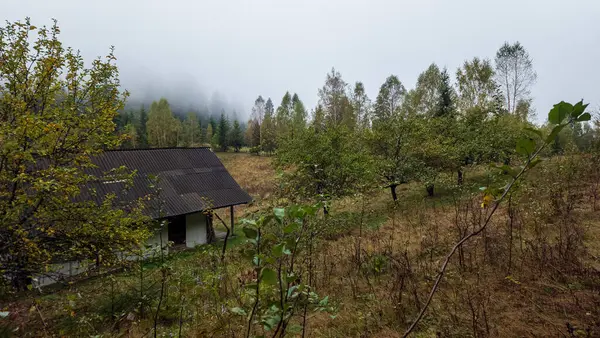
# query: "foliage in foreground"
[[55, 114]]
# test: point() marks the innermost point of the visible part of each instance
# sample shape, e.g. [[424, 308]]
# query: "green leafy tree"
[[476, 86], [515, 74], [424, 98], [333, 99], [163, 127], [249, 133], [257, 116], [325, 165], [268, 133], [392, 135], [209, 133], [389, 100], [361, 104], [298, 116], [55, 115], [130, 137], [284, 115], [191, 130]]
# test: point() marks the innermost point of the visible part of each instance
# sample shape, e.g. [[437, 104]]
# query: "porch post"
[[231, 213]]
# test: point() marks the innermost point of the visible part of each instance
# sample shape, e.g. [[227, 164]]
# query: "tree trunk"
[[460, 177], [210, 230], [430, 188], [393, 190]]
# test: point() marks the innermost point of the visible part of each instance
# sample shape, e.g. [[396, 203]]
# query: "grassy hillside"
[[535, 272]]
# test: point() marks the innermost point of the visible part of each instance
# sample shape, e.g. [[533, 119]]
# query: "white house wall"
[[195, 234], [195, 229]]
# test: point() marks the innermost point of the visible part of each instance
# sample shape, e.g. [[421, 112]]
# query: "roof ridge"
[[138, 149]]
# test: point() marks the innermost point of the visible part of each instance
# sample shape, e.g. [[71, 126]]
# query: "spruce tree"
[[223, 132], [236, 138], [142, 134], [446, 98]]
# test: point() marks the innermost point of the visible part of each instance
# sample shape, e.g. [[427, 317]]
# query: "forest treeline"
[[448, 121]]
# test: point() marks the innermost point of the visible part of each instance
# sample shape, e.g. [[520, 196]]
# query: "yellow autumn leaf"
[[487, 199]]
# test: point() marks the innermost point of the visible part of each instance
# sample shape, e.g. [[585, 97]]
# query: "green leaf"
[[525, 146], [535, 131], [279, 214], [291, 277], [4, 314], [251, 286], [291, 228], [238, 311], [291, 290], [584, 117], [278, 250], [250, 233], [269, 276], [290, 242], [558, 113], [578, 109], [324, 301], [258, 259], [269, 237], [271, 322], [555, 131]]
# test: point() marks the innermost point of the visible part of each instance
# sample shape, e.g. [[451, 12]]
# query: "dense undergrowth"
[[534, 271]]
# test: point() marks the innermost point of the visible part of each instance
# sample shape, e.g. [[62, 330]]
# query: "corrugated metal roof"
[[189, 180]]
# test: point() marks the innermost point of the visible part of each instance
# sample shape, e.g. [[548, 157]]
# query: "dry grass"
[[255, 174], [523, 305], [379, 294]]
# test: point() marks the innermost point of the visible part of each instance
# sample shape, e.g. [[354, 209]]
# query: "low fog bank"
[[184, 93]]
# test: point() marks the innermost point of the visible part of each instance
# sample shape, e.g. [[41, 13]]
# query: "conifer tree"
[[223, 132], [236, 138], [142, 134]]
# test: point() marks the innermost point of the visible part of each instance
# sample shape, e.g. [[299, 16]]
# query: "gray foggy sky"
[[242, 48]]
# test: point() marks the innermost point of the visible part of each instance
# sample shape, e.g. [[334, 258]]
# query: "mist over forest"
[[184, 93]]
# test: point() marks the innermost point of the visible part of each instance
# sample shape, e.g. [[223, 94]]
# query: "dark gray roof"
[[189, 180]]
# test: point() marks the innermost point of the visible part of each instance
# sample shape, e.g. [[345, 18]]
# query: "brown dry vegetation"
[[533, 272], [255, 174]]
